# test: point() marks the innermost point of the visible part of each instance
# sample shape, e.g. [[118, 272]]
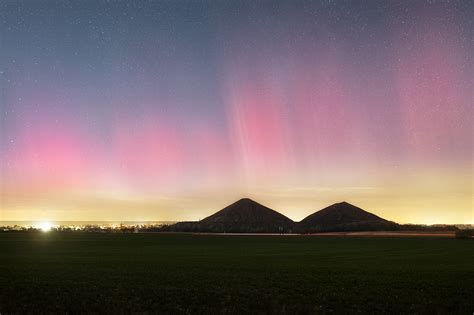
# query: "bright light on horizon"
[[45, 226]]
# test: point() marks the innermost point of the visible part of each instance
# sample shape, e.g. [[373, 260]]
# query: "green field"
[[87, 272]]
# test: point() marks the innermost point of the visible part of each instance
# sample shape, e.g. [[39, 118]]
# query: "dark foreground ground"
[[122, 273]]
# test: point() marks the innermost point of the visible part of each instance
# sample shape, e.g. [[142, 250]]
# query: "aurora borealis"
[[169, 110]]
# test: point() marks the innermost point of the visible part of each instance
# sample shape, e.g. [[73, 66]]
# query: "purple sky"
[[170, 110]]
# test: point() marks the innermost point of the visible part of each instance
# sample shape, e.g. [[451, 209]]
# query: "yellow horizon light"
[[45, 226]]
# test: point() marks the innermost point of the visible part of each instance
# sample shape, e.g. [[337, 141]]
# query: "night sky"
[[169, 110]]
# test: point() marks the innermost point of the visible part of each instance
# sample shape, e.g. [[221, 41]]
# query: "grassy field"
[[86, 272]]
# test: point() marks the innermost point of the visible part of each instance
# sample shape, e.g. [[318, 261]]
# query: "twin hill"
[[343, 216], [248, 216], [243, 216]]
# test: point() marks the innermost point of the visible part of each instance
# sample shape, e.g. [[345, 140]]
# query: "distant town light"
[[45, 226]]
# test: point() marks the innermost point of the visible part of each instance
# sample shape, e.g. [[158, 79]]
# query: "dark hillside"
[[243, 216], [343, 216]]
